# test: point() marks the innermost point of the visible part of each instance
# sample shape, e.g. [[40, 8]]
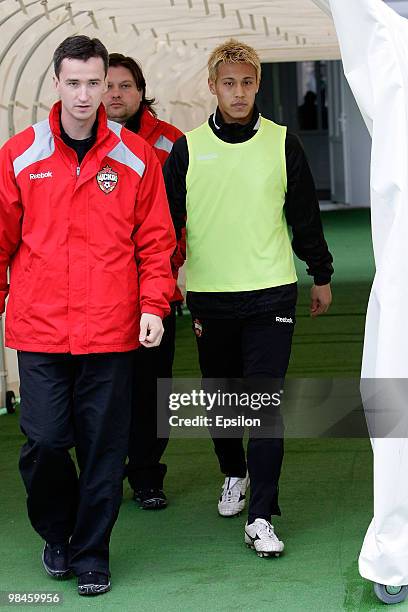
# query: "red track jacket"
[[88, 248], [161, 136]]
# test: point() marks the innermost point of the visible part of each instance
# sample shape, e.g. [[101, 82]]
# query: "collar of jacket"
[[148, 123], [234, 132], [102, 133], [106, 139]]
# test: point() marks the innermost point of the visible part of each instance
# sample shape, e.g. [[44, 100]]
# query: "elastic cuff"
[[235, 473], [252, 518], [321, 280], [155, 311], [275, 511], [83, 567]]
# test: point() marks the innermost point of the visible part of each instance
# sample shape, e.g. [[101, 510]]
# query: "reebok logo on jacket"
[[41, 175]]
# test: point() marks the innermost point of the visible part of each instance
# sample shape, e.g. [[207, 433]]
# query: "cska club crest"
[[107, 179]]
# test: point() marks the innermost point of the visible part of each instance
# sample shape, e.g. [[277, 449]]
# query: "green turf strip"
[[189, 558]]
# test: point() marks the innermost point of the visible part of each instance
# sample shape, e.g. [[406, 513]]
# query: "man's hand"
[[151, 330], [321, 299]]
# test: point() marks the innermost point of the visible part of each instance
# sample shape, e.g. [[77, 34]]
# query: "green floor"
[[188, 558]]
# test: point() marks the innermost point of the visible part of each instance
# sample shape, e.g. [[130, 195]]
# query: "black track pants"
[[80, 401], [144, 470], [250, 348]]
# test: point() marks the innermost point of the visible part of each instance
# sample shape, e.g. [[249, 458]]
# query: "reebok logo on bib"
[[283, 319], [207, 156]]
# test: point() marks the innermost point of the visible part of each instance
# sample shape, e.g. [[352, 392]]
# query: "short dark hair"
[[117, 59], [80, 47]]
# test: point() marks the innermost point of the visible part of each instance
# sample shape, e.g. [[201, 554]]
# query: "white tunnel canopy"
[[170, 38]]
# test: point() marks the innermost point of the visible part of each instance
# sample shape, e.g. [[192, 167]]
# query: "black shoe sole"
[[93, 590], [151, 504]]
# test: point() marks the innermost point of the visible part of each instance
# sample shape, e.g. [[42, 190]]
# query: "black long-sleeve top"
[[302, 214], [81, 147]]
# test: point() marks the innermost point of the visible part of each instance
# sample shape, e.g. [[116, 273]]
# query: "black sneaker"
[[150, 499], [55, 558], [93, 583]]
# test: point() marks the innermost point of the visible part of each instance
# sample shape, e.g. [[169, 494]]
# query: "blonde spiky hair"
[[233, 52]]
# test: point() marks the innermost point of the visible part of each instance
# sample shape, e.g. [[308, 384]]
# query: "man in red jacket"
[[86, 232], [126, 103]]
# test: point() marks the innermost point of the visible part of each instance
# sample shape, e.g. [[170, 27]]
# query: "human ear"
[[211, 86]]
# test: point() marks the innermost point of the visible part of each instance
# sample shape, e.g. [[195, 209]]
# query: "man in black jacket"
[[239, 180]]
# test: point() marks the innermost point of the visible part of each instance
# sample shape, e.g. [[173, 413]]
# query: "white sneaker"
[[261, 536], [232, 500]]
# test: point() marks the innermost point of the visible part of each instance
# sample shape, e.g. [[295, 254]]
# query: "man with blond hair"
[[239, 180]]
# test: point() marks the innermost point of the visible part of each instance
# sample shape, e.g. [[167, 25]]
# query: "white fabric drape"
[[374, 47]]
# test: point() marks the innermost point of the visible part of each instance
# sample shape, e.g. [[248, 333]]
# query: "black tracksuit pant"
[[257, 346], [81, 401], [144, 470]]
